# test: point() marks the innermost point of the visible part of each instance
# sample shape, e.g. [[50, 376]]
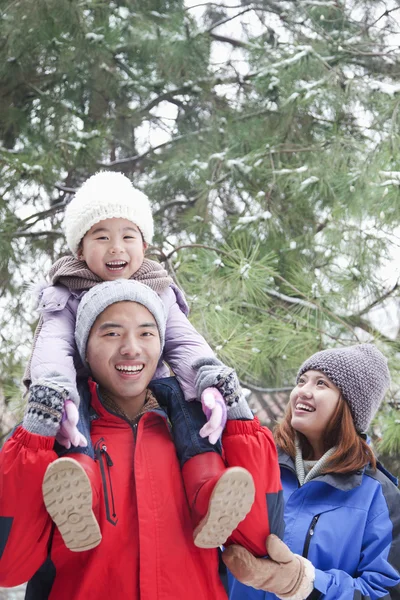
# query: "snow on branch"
[[309, 181], [385, 88], [290, 171], [291, 299]]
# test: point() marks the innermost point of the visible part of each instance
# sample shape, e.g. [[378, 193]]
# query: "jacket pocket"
[[53, 299]]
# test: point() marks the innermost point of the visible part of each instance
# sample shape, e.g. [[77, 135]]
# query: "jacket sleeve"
[[25, 525], [377, 573], [183, 345], [247, 444], [52, 358]]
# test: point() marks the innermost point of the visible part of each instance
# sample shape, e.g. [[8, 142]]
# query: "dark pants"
[[185, 418]]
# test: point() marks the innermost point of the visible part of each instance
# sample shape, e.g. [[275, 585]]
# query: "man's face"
[[123, 351]]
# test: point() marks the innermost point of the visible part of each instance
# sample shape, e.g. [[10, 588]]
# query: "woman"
[[342, 510]]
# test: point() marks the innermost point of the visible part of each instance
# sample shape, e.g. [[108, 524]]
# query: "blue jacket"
[[348, 526]]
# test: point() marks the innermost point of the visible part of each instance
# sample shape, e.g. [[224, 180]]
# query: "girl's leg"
[[71, 486], [219, 497]]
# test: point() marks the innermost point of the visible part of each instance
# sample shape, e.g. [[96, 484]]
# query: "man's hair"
[[352, 452]]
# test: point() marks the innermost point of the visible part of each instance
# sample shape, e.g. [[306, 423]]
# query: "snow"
[[309, 181], [289, 171], [250, 219], [200, 165], [319, 3], [32, 168], [88, 135], [94, 37], [239, 163], [391, 174], [217, 156], [218, 262], [123, 12], [244, 271], [292, 97], [385, 88]]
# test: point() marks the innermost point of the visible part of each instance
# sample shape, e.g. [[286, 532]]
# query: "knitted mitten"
[[283, 573], [211, 372], [45, 409]]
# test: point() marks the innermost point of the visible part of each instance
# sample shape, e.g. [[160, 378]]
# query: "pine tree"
[[273, 170]]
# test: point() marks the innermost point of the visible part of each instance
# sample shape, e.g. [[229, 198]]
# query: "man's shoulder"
[[165, 387]]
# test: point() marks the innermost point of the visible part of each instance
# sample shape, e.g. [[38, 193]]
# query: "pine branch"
[[228, 40], [228, 19], [31, 234], [379, 300]]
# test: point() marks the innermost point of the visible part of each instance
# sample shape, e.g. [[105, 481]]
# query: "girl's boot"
[[71, 490], [219, 497]]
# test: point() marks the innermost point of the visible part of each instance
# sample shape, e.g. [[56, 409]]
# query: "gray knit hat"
[[98, 298], [360, 372]]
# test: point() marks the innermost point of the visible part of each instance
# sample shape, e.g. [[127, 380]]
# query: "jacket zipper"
[[106, 463], [310, 533]]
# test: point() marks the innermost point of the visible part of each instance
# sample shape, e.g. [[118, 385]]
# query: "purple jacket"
[[55, 358]]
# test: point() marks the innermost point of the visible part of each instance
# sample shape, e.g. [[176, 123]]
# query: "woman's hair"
[[352, 452]]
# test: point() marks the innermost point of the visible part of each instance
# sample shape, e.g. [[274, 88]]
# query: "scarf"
[[75, 275], [316, 466]]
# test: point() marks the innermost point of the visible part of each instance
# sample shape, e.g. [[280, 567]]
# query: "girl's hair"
[[352, 453]]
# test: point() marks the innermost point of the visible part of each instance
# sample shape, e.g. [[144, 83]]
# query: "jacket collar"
[[341, 481], [99, 411]]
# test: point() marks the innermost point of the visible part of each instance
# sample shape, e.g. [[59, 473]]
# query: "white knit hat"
[[103, 196]]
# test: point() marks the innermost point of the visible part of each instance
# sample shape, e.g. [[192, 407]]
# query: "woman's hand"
[[283, 573]]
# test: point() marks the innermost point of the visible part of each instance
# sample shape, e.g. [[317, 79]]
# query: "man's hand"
[[68, 434], [283, 573], [214, 408]]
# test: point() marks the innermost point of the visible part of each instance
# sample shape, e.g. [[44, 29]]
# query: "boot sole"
[[230, 502], [67, 495]]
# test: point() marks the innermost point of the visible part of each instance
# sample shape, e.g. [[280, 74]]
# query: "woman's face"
[[313, 402]]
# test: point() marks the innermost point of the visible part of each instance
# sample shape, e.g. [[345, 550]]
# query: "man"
[[139, 500]]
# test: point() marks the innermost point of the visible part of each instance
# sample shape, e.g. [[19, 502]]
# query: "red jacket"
[[147, 550]]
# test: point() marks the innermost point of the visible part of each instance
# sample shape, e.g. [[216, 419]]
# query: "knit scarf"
[[75, 275], [316, 469]]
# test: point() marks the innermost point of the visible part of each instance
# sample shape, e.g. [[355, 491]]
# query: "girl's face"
[[313, 402], [113, 249]]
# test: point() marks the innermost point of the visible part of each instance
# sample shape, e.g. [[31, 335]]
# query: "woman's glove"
[[214, 408], [68, 434], [283, 573], [211, 372]]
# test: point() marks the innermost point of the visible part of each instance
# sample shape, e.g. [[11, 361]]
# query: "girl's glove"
[[283, 573], [214, 408], [211, 372], [68, 435]]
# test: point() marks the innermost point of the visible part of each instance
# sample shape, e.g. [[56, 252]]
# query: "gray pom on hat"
[[98, 298], [360, 372], [106, 195]]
